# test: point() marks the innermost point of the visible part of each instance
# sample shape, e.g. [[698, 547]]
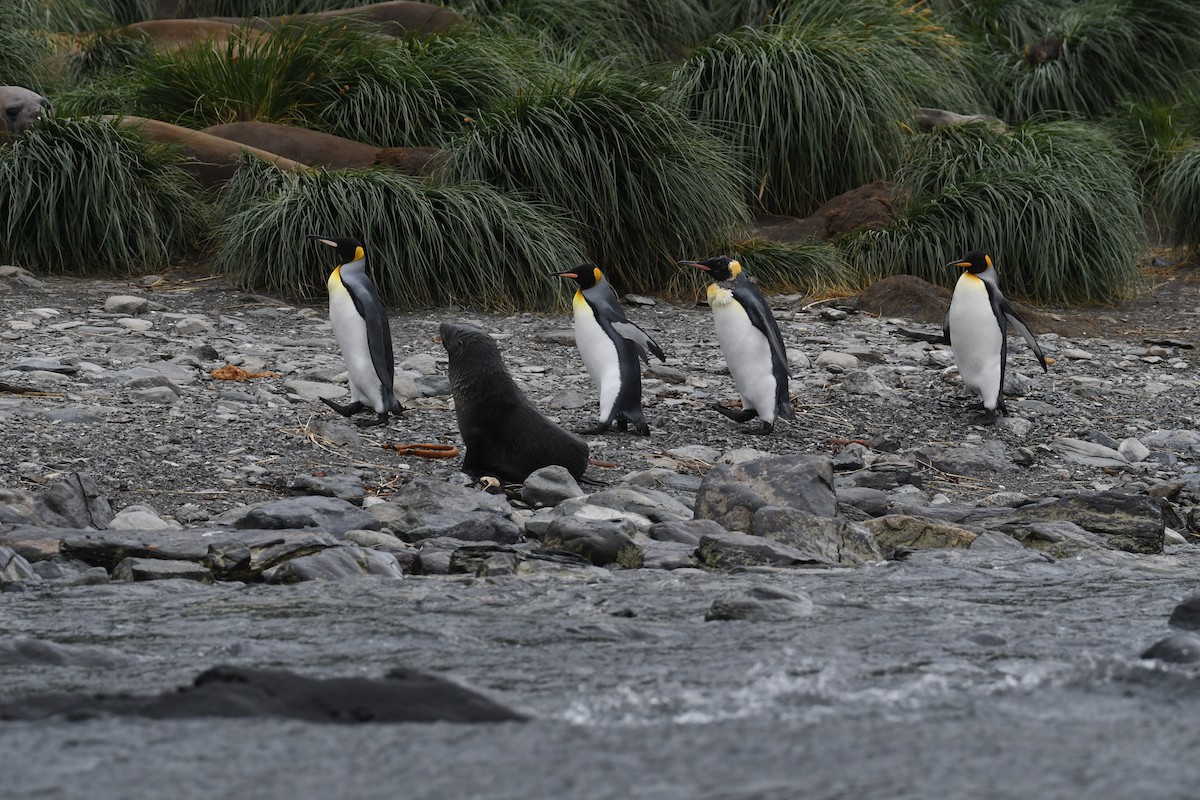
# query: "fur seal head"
[[503, 432], [20, 108]]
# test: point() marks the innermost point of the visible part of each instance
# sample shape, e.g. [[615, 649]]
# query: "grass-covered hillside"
[[628, 133]]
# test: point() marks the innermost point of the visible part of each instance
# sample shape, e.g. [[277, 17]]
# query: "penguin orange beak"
[[958, 264], [322, 240], [567, 274], [694, 264]]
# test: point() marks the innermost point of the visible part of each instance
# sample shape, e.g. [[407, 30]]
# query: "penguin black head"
[[975, 261], [719, 268], [347, 249], [587, 275]]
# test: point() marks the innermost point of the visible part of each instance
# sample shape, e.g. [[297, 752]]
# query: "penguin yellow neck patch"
[[358, 253], [735, 268], [718, 296]]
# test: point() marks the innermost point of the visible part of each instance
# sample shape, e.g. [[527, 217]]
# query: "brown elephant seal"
[[209, 159], [314, 148], [20, 108], [503, 433]]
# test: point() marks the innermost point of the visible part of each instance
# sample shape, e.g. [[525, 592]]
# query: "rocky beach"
[[165, 450]]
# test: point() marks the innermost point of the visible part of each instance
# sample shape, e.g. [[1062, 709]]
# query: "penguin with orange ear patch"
[[751, 342], [361, 328], [611, 347], [976, 326]]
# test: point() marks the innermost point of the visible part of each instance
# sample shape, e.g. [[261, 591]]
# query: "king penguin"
[[976, 326], [361, 328], [610, 346], [751, 343]]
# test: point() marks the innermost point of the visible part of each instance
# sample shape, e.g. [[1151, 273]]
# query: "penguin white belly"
[[350, 331], [599, 355], [747, 353], [976, 339]]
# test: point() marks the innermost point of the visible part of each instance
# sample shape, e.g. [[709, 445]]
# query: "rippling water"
[[953, 674]]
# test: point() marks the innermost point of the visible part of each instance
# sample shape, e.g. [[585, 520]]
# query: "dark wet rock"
[[329, 514], [872, 502], [70, 572], [403, 695], [335, 563], [158, 569], [109, 548], [760, 604], [1186, 615], [44, 365], [1129, 522], [1058, 539], [478, 526], [730, 494], [986, 459], [345, 487], [485, 561], [20, 652], [1178, 648], [685, 531], [246, 555], [601, 542], [73, 502], [667, 555], [887, 476], [898, 532], [738, 550], [426, 508], [662, 478], [15, 569], [820, 540], [433, 557], [549, 486], [851, 457]]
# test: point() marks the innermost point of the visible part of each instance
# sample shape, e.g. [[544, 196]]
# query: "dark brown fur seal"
[[503, 433]]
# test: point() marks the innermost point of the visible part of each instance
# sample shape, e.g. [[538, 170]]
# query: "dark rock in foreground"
[[1178, 648], [403, 695]]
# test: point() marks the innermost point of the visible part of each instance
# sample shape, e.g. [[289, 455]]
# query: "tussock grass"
[[426, 245], [1055, 204], [23, 43], [813, 112], [811, 267], [1178, 199], [629, 32], [85, 197], [1082, 57], [643, 184], [328, 76], [106, 51], [60, 16], [423, 91], [264, 8]]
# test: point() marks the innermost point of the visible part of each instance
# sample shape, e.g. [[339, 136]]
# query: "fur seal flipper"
[[503, 433]]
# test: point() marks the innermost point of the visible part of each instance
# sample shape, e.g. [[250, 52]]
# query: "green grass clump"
[[106, 51], [813, 112], [382, 90], [809, 267], [426, 245], [23, 43], [1178, 200], [1082, 57], [86, 197], [629, 32], [643, 184], [1055, 204]]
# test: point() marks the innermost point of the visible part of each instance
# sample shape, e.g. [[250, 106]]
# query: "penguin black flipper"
[[379, 334], [639, 337], [759, 312], [946, 328], [1022, 328], [998, 302]]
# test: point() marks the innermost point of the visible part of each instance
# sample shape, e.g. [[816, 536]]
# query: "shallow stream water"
[[952, 674]]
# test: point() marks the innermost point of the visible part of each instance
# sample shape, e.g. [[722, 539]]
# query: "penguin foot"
[[744, 415], [380, 419], [641, 429], [762, 430], [347, 410], [594, 430]]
